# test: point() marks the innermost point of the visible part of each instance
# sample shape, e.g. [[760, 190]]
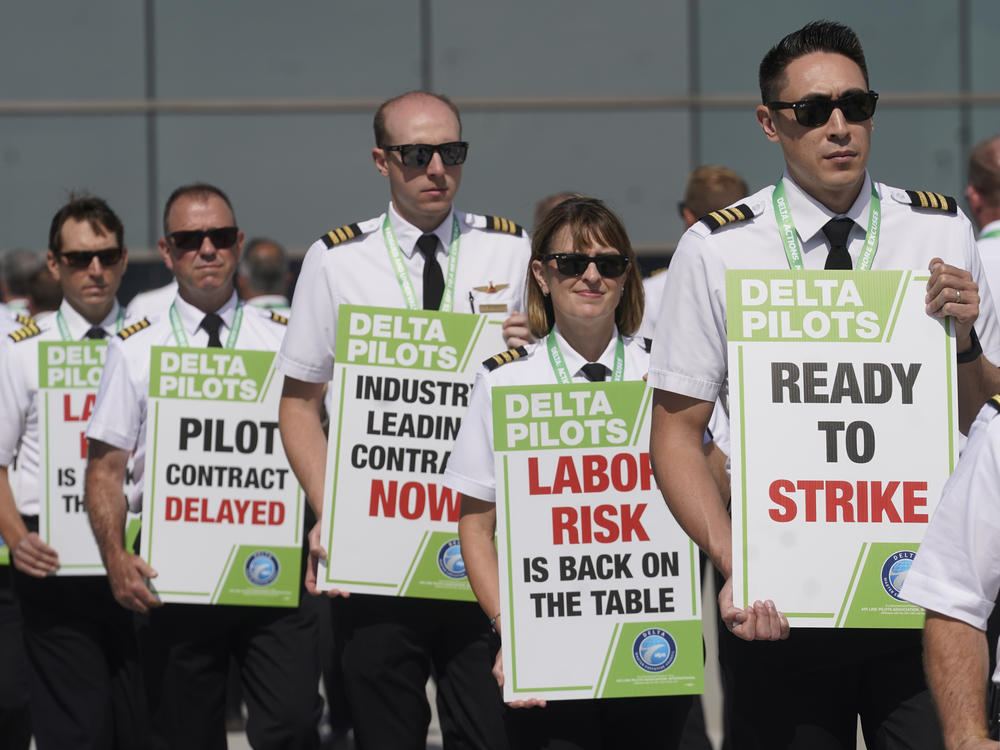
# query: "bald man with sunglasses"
[[401, 259], [825, 212]]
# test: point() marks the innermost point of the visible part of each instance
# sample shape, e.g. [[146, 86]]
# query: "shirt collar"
[[407, 234], [993, 226], [810, 215], [78, 325], [575, 362], [191, 316]]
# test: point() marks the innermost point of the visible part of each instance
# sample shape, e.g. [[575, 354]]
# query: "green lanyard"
[[990, 235], [181, 337], [559, 364], [64, 326], [403, 277], [790, 238]]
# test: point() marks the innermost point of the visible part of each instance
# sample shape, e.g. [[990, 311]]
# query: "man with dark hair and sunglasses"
[[391, 645], [85, 686], [185, 648], [808, 691]]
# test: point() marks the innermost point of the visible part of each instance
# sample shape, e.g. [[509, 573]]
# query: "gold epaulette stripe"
[[24, 319], [124, 333], [21, 334], [504, 357], [995, 402], [936, 201], [279, 318], [341, 234], [500, 224], [724, 216]]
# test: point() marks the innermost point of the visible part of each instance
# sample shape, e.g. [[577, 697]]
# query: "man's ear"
[[379, 157], [767, 124]]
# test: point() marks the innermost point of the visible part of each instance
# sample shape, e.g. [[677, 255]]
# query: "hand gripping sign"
[[68, 375], [400, 388], [848, 390], [222, 512], [599, 588]]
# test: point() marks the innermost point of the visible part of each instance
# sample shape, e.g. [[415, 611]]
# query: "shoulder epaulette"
[[995, 402], [24, 319], [341, 234], [927, 199], [124, 333], [504, 357], [279, 318], [725, 216], [21, 334], [500, 224], [648, 344], [657, 271]]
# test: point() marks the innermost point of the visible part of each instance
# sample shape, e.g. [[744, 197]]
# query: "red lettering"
[[632, 523], [839, 495], [259, 513], [787, 510], [190, 509], [173, 509], [564, 520], [862, 502], [607, 525], [276, 515], [242, 506], [595, 474], [411, 500], [882, 502], [83, 445], [624, 472], [441, 500], [566, 477], [88, 408], [67, 412], [382, 501], [646, 465], [534, 488], [225, 512], [811, 487], [911, 502]]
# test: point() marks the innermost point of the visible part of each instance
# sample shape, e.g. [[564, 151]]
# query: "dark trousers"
[[85, 685], [185, 654], [606, 724], [15, 720], [808, 691], [393, 645]]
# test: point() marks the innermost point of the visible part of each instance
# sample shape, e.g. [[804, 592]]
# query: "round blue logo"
[[654, 650], [894, 571], [450, 559], [261, 568]]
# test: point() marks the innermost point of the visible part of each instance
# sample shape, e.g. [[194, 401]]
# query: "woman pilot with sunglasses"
[[584, 297]]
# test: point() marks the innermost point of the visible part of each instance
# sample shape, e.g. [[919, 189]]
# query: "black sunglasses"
[[812, 113], [420, 154], [575, 264], [192, 239], [83, 258]]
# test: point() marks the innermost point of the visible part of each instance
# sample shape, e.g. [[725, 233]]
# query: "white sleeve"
[[118, 411], [689, 347], [310, 342], [470, 466], [957, 569], [987, 324], [14, 402]]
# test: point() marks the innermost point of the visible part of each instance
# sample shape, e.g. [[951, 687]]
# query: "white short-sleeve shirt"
[[690, 354], [19, 429], [957, 569], [470, 467], [119, 417], [989, 255], [492, 266]]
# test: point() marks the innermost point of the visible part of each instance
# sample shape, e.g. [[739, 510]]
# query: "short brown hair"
[[201, 190], [91, 209], [382, 135], [712, 187], [590, 222], [984, 169]]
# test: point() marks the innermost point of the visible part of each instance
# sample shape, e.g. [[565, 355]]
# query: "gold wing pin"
[[492, 288]]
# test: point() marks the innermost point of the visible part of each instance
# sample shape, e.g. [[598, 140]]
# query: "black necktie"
[[595, 372], [96, 332], [836, 230], [433, 278], [212, 323]]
